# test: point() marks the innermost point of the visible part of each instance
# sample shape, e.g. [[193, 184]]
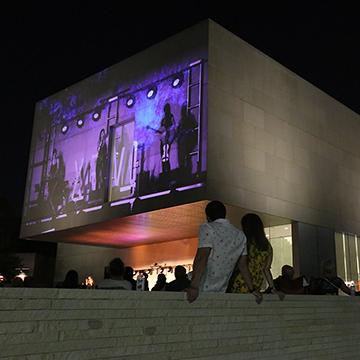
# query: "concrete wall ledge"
[[106, 324]]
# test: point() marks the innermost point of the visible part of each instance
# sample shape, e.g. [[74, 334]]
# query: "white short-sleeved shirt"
[[227, 243]]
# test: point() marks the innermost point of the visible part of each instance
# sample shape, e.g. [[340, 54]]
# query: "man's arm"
[[199, 267], [244, 270], [344, 288]]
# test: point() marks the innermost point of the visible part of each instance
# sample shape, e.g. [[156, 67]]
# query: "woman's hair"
[[101, 138], [71, 279], [253, 228]]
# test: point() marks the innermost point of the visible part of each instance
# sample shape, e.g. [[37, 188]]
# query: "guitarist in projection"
[[101, 162], [187, 138], [166, 130]]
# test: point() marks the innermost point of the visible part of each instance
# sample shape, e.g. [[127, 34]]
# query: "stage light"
[[151, 92], [130, 102], [96, 115], [80, 123], [177, 81], [22, 276], [89, 282], [64, 129]]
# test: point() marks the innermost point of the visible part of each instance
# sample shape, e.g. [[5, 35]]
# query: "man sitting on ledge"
[[221, 247]]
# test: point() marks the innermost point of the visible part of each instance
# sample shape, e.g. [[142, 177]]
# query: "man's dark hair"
[[215, 210], [116, 267]]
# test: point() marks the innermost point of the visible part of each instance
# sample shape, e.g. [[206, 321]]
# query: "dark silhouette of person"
[[146, 287], [160, 283], [129, 276], [28, 281], [116, 281], [56, 182], [288, 284], [71, 280], [101, 162], [52, 180], [166, 128], [329, 283], [61, 181], [17, 282], [186, 139], [181, 281]]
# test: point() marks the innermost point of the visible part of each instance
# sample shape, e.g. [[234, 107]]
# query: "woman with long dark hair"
[[260, 255]]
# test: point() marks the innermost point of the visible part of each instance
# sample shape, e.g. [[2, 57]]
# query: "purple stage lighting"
[[130, 101], [96, 115], [80, 123], [177, 81], [64, 129], [151, 92]]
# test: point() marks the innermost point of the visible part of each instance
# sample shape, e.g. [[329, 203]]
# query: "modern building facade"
[[128, 158]]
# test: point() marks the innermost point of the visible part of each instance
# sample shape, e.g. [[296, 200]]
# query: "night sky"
[[45, 49]]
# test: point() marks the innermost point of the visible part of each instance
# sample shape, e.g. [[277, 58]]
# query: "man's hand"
[[258, 296], [192, 294]]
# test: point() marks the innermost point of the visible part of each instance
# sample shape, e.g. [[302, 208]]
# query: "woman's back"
[[257, 260]]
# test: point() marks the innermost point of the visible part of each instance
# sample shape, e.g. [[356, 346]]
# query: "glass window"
[[281, 240], [347, 258]]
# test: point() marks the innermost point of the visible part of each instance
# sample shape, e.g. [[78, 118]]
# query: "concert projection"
[[111, 146]]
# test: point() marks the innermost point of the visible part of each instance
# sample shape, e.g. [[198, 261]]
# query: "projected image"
[[116, 152]]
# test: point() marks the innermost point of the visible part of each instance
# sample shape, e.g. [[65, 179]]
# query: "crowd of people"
[[227, 260], [120, 277]]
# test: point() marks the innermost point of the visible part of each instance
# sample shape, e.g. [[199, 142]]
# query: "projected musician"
[[167, 131], [56, 181], [187, 138], [101, 161]]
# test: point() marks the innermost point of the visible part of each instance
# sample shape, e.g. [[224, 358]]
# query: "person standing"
[[166, 129], [187, 137], [221, 247], [101, 161]]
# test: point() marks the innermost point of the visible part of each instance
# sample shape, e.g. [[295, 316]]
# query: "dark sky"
[[45, 49]]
